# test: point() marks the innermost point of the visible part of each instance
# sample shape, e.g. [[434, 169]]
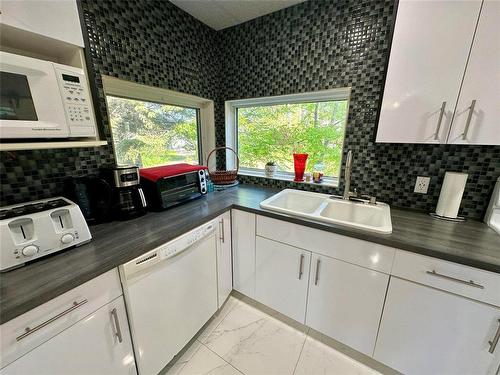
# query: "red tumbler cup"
[[299, 165]]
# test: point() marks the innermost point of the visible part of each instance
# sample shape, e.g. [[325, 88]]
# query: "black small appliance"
[[93, 195], [128, 199]]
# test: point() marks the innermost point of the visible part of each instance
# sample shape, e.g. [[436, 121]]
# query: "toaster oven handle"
[[143, 198]]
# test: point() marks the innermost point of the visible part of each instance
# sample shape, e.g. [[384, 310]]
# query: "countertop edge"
[[61, 287]]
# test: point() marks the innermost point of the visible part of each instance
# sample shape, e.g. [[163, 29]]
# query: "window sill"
[[327, 181]]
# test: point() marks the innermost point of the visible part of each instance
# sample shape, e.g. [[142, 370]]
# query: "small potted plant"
[[270, 168]]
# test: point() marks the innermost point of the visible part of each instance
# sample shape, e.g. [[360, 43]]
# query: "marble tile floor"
[[242, 339]]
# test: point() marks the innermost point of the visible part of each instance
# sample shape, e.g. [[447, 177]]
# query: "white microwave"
[[42, 99]]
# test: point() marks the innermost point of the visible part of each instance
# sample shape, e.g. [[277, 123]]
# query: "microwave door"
[[30, 102]]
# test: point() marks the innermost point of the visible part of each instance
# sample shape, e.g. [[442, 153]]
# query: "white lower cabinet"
[[224, 258], [345, 302], [98, 344], [281, 277], [243, 237], [428, 331]]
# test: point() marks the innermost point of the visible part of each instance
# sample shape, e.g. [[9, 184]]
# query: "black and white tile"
[[315, 45], [321, 45]]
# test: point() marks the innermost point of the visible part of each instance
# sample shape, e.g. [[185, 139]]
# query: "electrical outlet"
[[422, 185]]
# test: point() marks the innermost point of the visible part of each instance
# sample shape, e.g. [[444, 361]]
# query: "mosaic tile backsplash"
[[320, 45], [312, 46], [149, 42]]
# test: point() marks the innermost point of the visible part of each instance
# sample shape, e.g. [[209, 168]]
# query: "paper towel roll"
[[451, 194]]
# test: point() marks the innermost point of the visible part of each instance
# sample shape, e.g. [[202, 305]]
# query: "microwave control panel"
[[76, 101]]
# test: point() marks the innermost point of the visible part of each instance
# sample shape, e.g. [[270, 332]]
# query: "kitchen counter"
[[469, 243]]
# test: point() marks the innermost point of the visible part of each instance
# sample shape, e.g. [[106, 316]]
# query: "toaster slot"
[[22, 230], [61, 220]]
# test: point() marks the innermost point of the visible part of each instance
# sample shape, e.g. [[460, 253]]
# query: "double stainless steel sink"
[[323, 207]]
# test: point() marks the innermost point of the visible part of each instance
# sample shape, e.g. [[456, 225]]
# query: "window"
[[153, 126], [148, 134], [272, 129]]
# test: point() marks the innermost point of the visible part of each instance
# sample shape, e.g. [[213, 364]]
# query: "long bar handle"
[[469, 118], [118, 331], [222, 236], [494, 342], [29, 330], [301, 266], [465, 282], [440, 120], [316, 277]]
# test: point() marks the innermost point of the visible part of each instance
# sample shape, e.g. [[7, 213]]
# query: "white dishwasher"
[[170, 293]]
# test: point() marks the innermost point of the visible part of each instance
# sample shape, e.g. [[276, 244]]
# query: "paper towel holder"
[[450, 197]]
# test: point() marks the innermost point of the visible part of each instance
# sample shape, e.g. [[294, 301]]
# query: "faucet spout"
[[347, 175]]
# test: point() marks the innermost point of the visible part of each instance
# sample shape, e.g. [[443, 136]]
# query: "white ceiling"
[[219, 14]]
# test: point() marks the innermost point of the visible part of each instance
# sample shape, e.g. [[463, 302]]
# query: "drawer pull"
[[494, 342], [118, 332], [29, 330], [469, 283]]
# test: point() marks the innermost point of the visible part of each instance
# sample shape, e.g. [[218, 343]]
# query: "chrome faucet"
[[353, 195], [347, 175]]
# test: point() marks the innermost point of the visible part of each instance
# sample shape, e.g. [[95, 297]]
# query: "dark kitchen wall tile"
[[320, 45], [316, 45], [149, 42]]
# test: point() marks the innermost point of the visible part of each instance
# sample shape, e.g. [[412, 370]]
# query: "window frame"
[[231, 109], [204, 108]]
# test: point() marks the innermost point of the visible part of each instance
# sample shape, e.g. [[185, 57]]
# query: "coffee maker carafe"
[[128, 198]]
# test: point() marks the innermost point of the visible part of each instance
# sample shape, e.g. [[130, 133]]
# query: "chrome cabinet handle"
[[222, 234], [469, 118], [143, 198], [494, 342], [465, 282], [29, 330], [316, 278], [301, 266], [440, 119], [118, 331]]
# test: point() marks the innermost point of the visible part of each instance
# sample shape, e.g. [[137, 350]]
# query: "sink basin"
[[296, 201], [324, 207]]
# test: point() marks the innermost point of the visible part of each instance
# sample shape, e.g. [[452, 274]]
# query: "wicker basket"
[[223, 177]]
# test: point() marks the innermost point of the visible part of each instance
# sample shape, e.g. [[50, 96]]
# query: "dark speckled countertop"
[[470, 243]]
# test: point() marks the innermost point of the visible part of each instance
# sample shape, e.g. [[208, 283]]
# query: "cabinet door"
[[427, 331], [60, 19], [345, 302], [97, 344], [481, 124], [281, 277], [427, 61], [243, 237], [224, 258]]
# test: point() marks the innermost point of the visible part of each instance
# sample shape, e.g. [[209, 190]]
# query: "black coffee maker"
[[128, 199]]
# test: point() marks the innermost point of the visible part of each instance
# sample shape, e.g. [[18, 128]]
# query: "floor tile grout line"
[[306, 335], [241, 372], [190, 358], [221, 320]]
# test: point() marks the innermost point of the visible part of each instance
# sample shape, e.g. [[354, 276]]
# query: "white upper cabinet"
[[54, 19], [431, 42], [477, 117]]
